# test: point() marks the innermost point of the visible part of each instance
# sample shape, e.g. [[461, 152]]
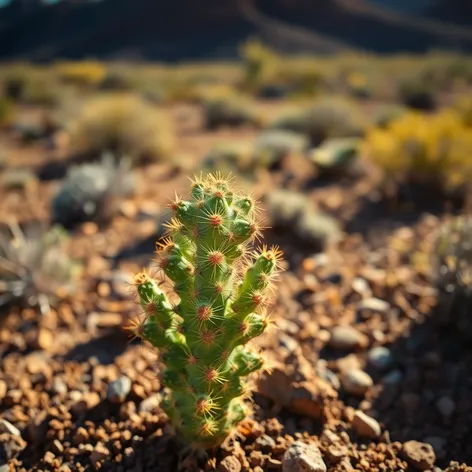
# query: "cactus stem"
[[207, 337], [204, 313], [215, 220]]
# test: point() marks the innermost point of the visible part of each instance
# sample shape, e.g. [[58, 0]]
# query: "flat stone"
[[373, 304], [229, 464], [393, 378], [118, 389], [149, 404], [366, 426], [380, 358], [8, 428], [301, 457], [345, 338], [419, 455], [356, 382]]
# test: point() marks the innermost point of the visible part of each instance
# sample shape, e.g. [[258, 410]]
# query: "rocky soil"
[[364, 378]]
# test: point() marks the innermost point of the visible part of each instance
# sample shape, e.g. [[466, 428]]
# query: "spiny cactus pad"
[[223, 289]]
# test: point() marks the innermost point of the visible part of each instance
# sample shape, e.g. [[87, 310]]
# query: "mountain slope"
[[186, 29]]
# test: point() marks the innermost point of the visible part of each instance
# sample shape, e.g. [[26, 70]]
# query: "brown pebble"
[[80, 436], [229, 464], [420, 455]]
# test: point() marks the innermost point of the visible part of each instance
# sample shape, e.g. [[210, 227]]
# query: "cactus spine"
[[223, 290]]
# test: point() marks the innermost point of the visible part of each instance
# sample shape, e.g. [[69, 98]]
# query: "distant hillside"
[[187, 29]]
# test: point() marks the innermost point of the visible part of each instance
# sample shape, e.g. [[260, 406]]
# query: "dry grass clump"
[[330, 117], [432, 150], [124, 125]]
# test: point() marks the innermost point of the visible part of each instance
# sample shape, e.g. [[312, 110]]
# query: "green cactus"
[[223, 291]]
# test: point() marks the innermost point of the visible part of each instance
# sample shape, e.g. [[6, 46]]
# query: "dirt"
[[77, 394]]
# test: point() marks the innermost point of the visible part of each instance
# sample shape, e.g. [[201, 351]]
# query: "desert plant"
[[327, 118], [84, 73], [123, 124], [431, 150], [35, 269], [273, 145], [335, 156], [233, 156], [6, 111], [223, 290], [293, 212], [417, 92], [464, 109], [260, 63], [17, 178], [230, 111], [91, 191], [452, 271]]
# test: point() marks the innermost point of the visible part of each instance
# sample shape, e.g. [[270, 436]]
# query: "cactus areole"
[[223, 289]]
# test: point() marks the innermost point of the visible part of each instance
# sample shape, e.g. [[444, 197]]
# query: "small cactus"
[[223, 291], [452, 268]]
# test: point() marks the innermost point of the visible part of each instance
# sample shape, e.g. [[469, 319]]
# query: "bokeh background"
[[350, 121]]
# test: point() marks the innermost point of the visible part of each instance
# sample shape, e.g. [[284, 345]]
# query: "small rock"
[[366, 426], [393, 378], [380, 358], [45, 339], [265, 442], [345, 338], [229, 464], [361, 286], [419, 455], [330, 377], [301, 457], [438, 445], [8, 428], [446, 406], [59, 386], [3, 389], [149, 404], [356, 382], [119, 389], [373, 304]]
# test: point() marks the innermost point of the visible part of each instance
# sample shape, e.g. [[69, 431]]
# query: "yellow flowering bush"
[[435, 150], [82, 73]]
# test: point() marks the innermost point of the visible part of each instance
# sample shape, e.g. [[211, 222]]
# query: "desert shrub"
[[452, 271], [35, 269], [327, 118], [237, 156], [7, 111], [387, 113], [17, 178], [464, 108], [293, 213], [273, 145], [84, 73], [431, 150], [91, 192], [417, 93], [122, 125], [260, 63], [231, 111], [336, 156]]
